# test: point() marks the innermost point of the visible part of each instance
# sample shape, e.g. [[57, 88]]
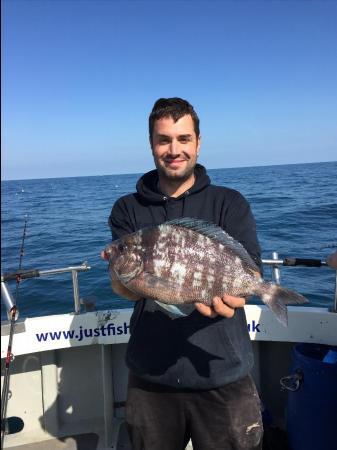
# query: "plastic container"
[[312, 406]]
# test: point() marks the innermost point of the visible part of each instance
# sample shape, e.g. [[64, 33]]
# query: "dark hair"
[[172, 107]]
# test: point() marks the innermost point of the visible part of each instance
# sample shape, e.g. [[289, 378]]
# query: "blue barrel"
[[312, 407]]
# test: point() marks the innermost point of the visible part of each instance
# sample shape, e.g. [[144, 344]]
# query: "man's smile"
[[174, 161]]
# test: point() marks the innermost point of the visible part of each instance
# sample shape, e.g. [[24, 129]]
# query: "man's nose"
[[174, 149]]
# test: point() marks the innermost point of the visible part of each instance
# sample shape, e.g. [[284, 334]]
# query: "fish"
[[187, 260]]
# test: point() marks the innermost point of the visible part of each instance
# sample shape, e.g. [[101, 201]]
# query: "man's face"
[[175, 147]]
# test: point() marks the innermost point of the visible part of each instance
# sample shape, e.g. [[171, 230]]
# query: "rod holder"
[[8, 300]]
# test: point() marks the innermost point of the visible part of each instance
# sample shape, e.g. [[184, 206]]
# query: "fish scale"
[[188, 261], [195, 248]]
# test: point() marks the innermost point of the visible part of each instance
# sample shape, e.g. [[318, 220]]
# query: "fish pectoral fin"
[[179, 311], [154, 287], [123, 291]]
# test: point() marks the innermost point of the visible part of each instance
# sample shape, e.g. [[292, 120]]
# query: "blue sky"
[[79, 79]]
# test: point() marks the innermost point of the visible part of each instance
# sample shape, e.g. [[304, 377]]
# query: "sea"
[[295, 207]]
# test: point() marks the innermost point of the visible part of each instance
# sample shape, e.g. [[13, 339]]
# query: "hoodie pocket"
[[213, 338]]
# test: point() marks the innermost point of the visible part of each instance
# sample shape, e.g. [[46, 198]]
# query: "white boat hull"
[[69, 376]]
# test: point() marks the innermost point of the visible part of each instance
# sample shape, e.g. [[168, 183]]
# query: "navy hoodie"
[[192, 352]]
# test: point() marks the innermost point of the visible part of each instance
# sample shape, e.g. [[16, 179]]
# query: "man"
[[189, 376], [332, 260]]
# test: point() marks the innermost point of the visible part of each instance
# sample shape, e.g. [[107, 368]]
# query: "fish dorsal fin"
[[216, 233]]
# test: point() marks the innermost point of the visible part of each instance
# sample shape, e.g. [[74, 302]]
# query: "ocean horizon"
[[140, 173]]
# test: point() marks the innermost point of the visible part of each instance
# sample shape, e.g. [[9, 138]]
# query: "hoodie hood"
[[148, 185]]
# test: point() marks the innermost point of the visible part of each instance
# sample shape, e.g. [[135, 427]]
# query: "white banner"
[[305, 324]]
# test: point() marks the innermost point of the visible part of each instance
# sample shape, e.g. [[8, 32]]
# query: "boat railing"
[[275, 262], [19, 275]]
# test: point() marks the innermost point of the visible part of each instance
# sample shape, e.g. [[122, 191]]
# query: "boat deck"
[[85, 441]]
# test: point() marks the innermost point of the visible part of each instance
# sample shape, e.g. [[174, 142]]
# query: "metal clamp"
[[292, 382]]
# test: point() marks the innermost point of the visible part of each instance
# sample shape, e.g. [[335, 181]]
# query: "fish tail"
[[277, 298]]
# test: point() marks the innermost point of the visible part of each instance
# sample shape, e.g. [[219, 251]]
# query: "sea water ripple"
[[295, 207]]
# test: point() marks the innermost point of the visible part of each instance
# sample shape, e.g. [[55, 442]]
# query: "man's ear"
[[151, 146], [198, 144]]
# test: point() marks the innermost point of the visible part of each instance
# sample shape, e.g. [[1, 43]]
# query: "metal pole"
[[335, 302], [72, 269], [76, 292], [25, 274], [272, 262], [276, 269], [8, 300]]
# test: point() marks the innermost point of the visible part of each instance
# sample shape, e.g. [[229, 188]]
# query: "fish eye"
[[121, 247]]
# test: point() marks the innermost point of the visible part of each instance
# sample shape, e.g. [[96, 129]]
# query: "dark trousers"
[[226, 418]]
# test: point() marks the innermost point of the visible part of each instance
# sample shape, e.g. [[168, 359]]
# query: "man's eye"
[[184, 140]]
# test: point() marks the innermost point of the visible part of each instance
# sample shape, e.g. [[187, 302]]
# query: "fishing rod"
[[13, 313], [306, 262]]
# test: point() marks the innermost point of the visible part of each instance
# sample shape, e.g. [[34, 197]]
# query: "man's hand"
[[223, 306], [332, 260]]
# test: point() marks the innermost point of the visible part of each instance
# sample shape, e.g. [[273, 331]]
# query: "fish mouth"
[[108, 252], [104, 255]]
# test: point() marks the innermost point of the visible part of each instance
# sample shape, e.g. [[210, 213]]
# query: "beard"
[[171, 175]]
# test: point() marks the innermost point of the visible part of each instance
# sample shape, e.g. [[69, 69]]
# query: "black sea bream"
[[188, 260]]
